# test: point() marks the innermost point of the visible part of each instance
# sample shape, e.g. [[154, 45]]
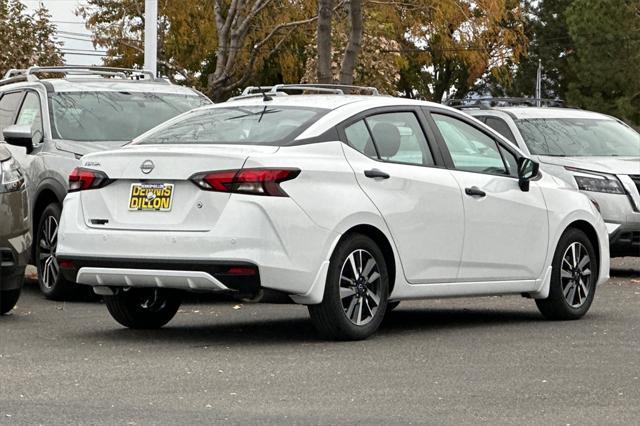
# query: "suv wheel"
[[355, 295], [52, 283], [143, 308], [8, 300], [573, 279]]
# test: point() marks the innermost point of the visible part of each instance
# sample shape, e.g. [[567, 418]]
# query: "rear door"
[[506, 229], [418, 198]]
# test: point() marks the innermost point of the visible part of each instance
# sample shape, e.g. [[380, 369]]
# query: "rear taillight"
[[246, 181], [81, 179]]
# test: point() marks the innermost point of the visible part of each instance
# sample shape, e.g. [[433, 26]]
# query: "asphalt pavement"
[[456, 361]]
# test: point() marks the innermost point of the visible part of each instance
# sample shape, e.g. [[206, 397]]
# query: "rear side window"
[[396, 137], [8, 106], [501, 126], [247, 124]]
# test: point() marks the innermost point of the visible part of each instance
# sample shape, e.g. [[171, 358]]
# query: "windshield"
[[579, 137], [114, 116], [252, 125]]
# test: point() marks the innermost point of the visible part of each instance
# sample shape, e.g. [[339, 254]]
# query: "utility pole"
[[151, 36], [539, 84]]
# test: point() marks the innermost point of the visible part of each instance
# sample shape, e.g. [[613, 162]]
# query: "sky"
[[77, 46]]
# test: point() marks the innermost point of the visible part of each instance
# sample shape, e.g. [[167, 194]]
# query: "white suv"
[[593, 153], [51, 116], [348, 204]]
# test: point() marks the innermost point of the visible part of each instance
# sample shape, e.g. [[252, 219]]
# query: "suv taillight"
[[81, 179], [246, 181]]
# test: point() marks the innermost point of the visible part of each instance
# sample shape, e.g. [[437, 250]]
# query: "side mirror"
[[22, 136], [527, 170]]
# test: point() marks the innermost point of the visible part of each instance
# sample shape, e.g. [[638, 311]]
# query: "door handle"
[[375, 173], [474, 191]]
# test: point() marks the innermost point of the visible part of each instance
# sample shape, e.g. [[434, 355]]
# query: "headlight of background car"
[[11, 177], [597, 182]]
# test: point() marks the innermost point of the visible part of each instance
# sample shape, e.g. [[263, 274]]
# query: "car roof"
[[525, 113], [101, 84]]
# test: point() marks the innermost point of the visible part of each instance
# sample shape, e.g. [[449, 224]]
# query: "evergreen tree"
[[25, 39]]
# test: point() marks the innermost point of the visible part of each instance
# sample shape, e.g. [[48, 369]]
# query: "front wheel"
[[573, 279], [142, 308], [356, 291], [51, 282], [8, 300]]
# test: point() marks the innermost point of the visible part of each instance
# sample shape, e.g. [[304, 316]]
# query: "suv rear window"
[[250, 124], [114, 116]]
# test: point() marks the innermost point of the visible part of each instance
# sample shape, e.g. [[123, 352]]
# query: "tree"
[[216, 45], [26, 40], [452, 44], [606, 60]]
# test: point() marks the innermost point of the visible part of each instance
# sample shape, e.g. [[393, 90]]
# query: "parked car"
[[15, 234], [343, 203], [593, 153], [53, 122]]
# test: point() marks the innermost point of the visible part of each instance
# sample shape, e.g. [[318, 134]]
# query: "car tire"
[[144, 308], [52, 283], [573, 278], [8, 300], [356, 291]]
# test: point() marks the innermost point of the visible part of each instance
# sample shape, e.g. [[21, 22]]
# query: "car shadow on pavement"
[[624, 273], [424, 321]]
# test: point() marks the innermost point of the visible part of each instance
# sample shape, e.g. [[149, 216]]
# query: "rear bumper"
[[274, 237], [11, 269], [240, 277]]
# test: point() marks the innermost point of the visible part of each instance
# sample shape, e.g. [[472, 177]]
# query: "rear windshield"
[[114, 116], [579, 137], [252, 125]]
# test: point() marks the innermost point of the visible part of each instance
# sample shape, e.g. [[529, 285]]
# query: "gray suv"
[[15, 232], [51, 116], [593, 153]]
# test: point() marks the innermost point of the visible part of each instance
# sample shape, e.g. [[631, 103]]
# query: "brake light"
[[246, 181], [81, 179]]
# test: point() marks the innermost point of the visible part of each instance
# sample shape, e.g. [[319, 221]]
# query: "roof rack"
[[30, 74], [488, 102], [284, 89]]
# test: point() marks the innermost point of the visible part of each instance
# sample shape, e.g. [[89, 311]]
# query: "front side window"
[[501, 126], [471, 150], [247, 124], [30, 114], [579, 137], [114, 116], [8, 106]]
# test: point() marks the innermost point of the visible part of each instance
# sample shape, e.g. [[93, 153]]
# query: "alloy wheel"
[[360, 287], [575, 274], [48, 264]]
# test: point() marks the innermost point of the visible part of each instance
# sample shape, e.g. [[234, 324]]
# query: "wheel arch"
[[383, 243], [591, 234], [47, 194]]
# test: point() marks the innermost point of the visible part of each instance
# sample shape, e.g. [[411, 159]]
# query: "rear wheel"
[[573, 279], [8, 300], [356, 291], [52, 283], [144, 308]]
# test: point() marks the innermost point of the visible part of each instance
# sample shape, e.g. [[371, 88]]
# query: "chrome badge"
[[147, 167]]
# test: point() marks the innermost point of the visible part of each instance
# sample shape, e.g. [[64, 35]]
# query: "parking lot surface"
[[464, 361]]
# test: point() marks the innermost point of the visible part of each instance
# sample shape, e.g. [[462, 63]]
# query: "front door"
[[506, 229]]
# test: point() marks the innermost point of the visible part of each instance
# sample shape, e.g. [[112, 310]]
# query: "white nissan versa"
[[347, 204]]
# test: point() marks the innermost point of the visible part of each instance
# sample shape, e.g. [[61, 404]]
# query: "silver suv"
[[51, 116], [594, 153]]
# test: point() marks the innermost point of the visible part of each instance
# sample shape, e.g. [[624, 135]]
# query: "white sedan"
[[347, 204]]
